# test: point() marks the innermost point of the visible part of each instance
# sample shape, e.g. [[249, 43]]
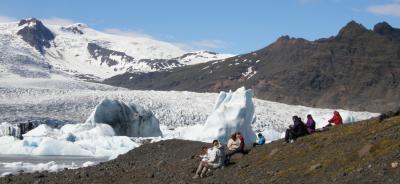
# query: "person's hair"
[[214, 142], [239, 133], [204, 147], [259, 134], [233, 136]]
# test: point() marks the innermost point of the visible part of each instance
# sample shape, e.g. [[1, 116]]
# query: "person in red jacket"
[[336, 119], [241, 138]]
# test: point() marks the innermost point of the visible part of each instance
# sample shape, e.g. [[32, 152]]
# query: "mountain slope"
[[357, 69], [366, 152], [80, 50]]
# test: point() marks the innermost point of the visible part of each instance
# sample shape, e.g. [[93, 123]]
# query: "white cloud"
[[186, 46], [201, 45], [58, 21], [214, 44], [4, 19], [127, 33], [392, 9]]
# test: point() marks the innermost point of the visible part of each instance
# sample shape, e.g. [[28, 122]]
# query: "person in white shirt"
[[213, 160]]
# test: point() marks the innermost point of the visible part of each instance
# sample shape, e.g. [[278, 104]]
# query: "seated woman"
[[260, 141], [310, 125], [335, 120], [234, 146], [213, 160], [297, 130]]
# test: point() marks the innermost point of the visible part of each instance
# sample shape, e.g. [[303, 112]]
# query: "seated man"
[[261, 140], [213, 160], [297, 130]]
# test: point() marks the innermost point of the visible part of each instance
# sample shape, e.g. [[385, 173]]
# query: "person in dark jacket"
[[310, 125], [297, 130]]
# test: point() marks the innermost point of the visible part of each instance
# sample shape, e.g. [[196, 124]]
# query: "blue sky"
[[231, 26]]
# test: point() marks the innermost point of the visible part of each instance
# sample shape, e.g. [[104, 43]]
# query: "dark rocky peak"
[[106, 55], [385, 29], [352, 29], [75, 28], [35, 34], [285, 41]]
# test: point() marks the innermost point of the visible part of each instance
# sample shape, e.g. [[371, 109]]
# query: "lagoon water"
[[26, 163]]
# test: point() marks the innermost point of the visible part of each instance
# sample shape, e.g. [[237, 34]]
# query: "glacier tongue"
[[233, 112], [129, 120]]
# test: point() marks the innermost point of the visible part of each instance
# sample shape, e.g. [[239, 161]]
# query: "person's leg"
[[287, 135], [199, 169], [204, 171]]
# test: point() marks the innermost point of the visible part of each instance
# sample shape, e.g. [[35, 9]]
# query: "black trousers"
[[291, 135]]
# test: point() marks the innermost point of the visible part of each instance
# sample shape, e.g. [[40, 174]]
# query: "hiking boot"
[[195, 176]]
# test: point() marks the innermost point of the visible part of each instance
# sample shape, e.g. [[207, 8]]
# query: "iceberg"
[[127, 120], [233, 112], [96, 140]]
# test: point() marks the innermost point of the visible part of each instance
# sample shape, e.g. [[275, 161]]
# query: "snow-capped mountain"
[[82, 51]]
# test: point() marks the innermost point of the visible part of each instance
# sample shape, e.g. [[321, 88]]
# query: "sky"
[[226, 26]]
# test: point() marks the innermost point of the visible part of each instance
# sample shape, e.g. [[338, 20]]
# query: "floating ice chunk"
[[5, 174], [233, 112], [51, 166], [88, 163], [50, 146], [41, 131], [72, 139], [130, 120]]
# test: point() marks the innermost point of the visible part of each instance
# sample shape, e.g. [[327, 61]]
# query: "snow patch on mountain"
[[82, 51]]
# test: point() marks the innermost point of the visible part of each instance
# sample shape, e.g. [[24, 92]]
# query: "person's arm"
[[332, 119]]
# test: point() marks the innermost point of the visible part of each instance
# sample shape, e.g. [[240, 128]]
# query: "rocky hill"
[[366, 152], [357, 69]]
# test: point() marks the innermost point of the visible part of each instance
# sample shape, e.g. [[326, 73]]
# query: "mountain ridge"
[[336, 72]]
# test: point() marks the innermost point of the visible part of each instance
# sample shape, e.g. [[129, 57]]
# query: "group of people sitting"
[[216, 156], [299, 128]]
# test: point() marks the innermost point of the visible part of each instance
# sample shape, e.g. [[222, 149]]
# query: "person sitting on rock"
[[233, 146], [213, 160], [336, 119], [260, 141], [310, 125], [297, 130]]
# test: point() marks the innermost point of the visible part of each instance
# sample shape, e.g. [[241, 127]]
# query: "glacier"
[[127, 120], [70, 103]]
